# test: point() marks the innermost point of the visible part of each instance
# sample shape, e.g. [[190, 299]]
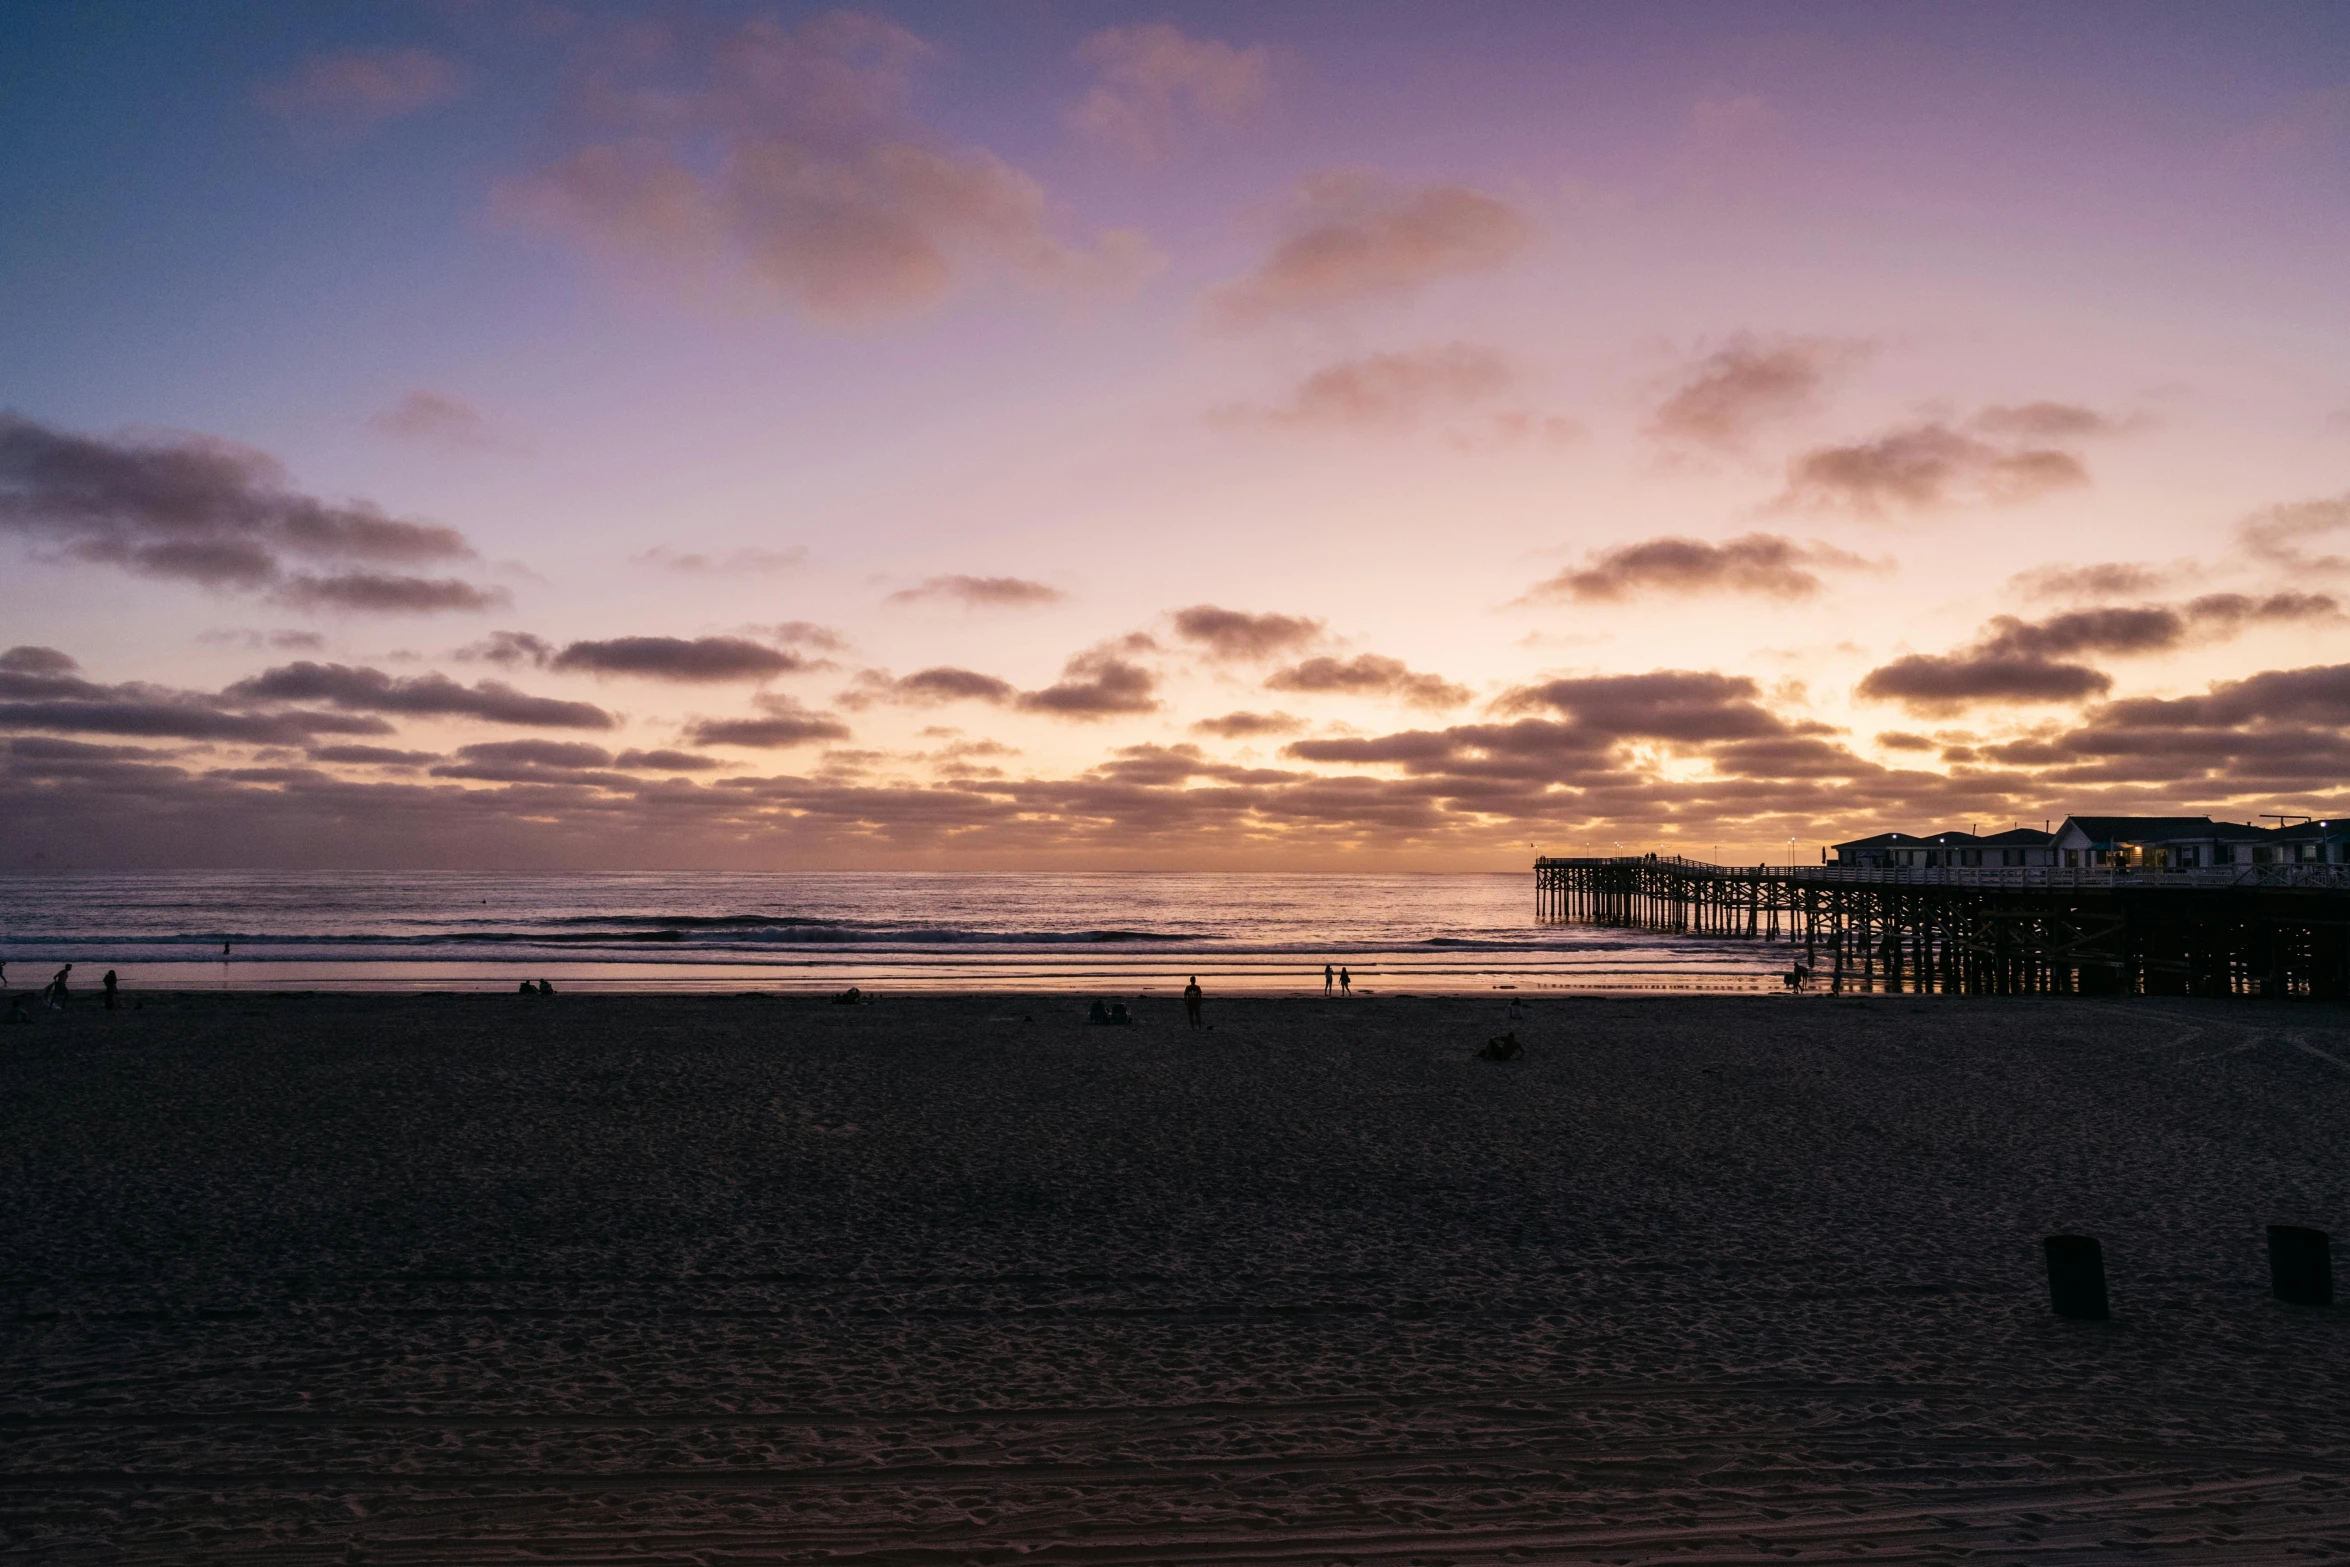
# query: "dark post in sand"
[[2076, 1277], [2300, 1265]]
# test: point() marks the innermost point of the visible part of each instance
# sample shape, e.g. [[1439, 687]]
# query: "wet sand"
[[491, 1279]]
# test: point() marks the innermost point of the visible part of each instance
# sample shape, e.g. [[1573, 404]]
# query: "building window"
[[2223, 854]]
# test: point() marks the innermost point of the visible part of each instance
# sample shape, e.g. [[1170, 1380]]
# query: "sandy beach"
[[481, 1279]]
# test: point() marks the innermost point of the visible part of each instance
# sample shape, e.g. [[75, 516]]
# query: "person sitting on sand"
[[529, 989], [1119, 1017], [849, 997], [1191, 1000], [1504, 1048], [546, 989], [16, 1011], [1097, 1013]]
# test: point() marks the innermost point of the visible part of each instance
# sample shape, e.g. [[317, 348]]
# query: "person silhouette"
[[1191, 1000], [108, 982], [1346, 983], [55, 994], [1328, 978]]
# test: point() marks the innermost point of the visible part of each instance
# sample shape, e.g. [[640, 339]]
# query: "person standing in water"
[[1191, 1000]]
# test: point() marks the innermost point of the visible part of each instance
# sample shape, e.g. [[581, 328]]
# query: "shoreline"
[[1375, 973]]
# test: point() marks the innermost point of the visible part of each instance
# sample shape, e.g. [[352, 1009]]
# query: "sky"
[[511, 434]]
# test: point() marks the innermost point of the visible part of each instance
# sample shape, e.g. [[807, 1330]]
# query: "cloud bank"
[[778, 164], [195, 509]]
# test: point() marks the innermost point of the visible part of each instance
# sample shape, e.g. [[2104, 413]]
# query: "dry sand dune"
[[494, 1279]]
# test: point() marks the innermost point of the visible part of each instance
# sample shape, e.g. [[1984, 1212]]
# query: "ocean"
[[1108, 932]]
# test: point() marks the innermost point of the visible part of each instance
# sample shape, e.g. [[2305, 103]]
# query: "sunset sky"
[[1311, 436]]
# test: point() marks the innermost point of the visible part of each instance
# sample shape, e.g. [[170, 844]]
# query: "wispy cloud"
[[2021, 661], [695, 660], [1368, 674], [360, 87], [1738, 390], [1924, 468], [980, 592], [1157, 87], [1248, 726], [1354, 235], [1764, 564], [1233, 633], [365, 690], [2283, 535], [733, 563], [196, 509], [783, 723], [1101, 683], [776, 164], [1385, 391], [436, 418]]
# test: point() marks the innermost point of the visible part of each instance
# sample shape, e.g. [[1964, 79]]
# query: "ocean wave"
[[714, 934]]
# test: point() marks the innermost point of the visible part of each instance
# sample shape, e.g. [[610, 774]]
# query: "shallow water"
[[931, 931]]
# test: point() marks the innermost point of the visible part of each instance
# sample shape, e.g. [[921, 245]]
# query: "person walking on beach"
[[55, 994], [1328, 979], [1191, 1000], [1346, 983], [108, 982]]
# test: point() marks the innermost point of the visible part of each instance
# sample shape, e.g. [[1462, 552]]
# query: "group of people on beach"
[[55, 994], [1344, 981]]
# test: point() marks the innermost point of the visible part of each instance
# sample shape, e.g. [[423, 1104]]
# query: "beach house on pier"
[[1886, 848], [2163, 843], [1948, 850], [2312, 843]]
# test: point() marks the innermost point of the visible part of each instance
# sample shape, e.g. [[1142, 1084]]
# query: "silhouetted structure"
[[2301, 1265], [2076, 1277], [2278, 929]]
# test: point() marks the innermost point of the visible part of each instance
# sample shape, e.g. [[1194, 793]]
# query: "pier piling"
[[2266, 931]]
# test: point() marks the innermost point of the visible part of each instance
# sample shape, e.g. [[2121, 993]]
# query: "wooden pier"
[[2278, 931]]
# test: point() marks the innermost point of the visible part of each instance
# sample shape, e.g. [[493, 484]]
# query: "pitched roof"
[[1883, 840], [2025, 837], [2160, 829]]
